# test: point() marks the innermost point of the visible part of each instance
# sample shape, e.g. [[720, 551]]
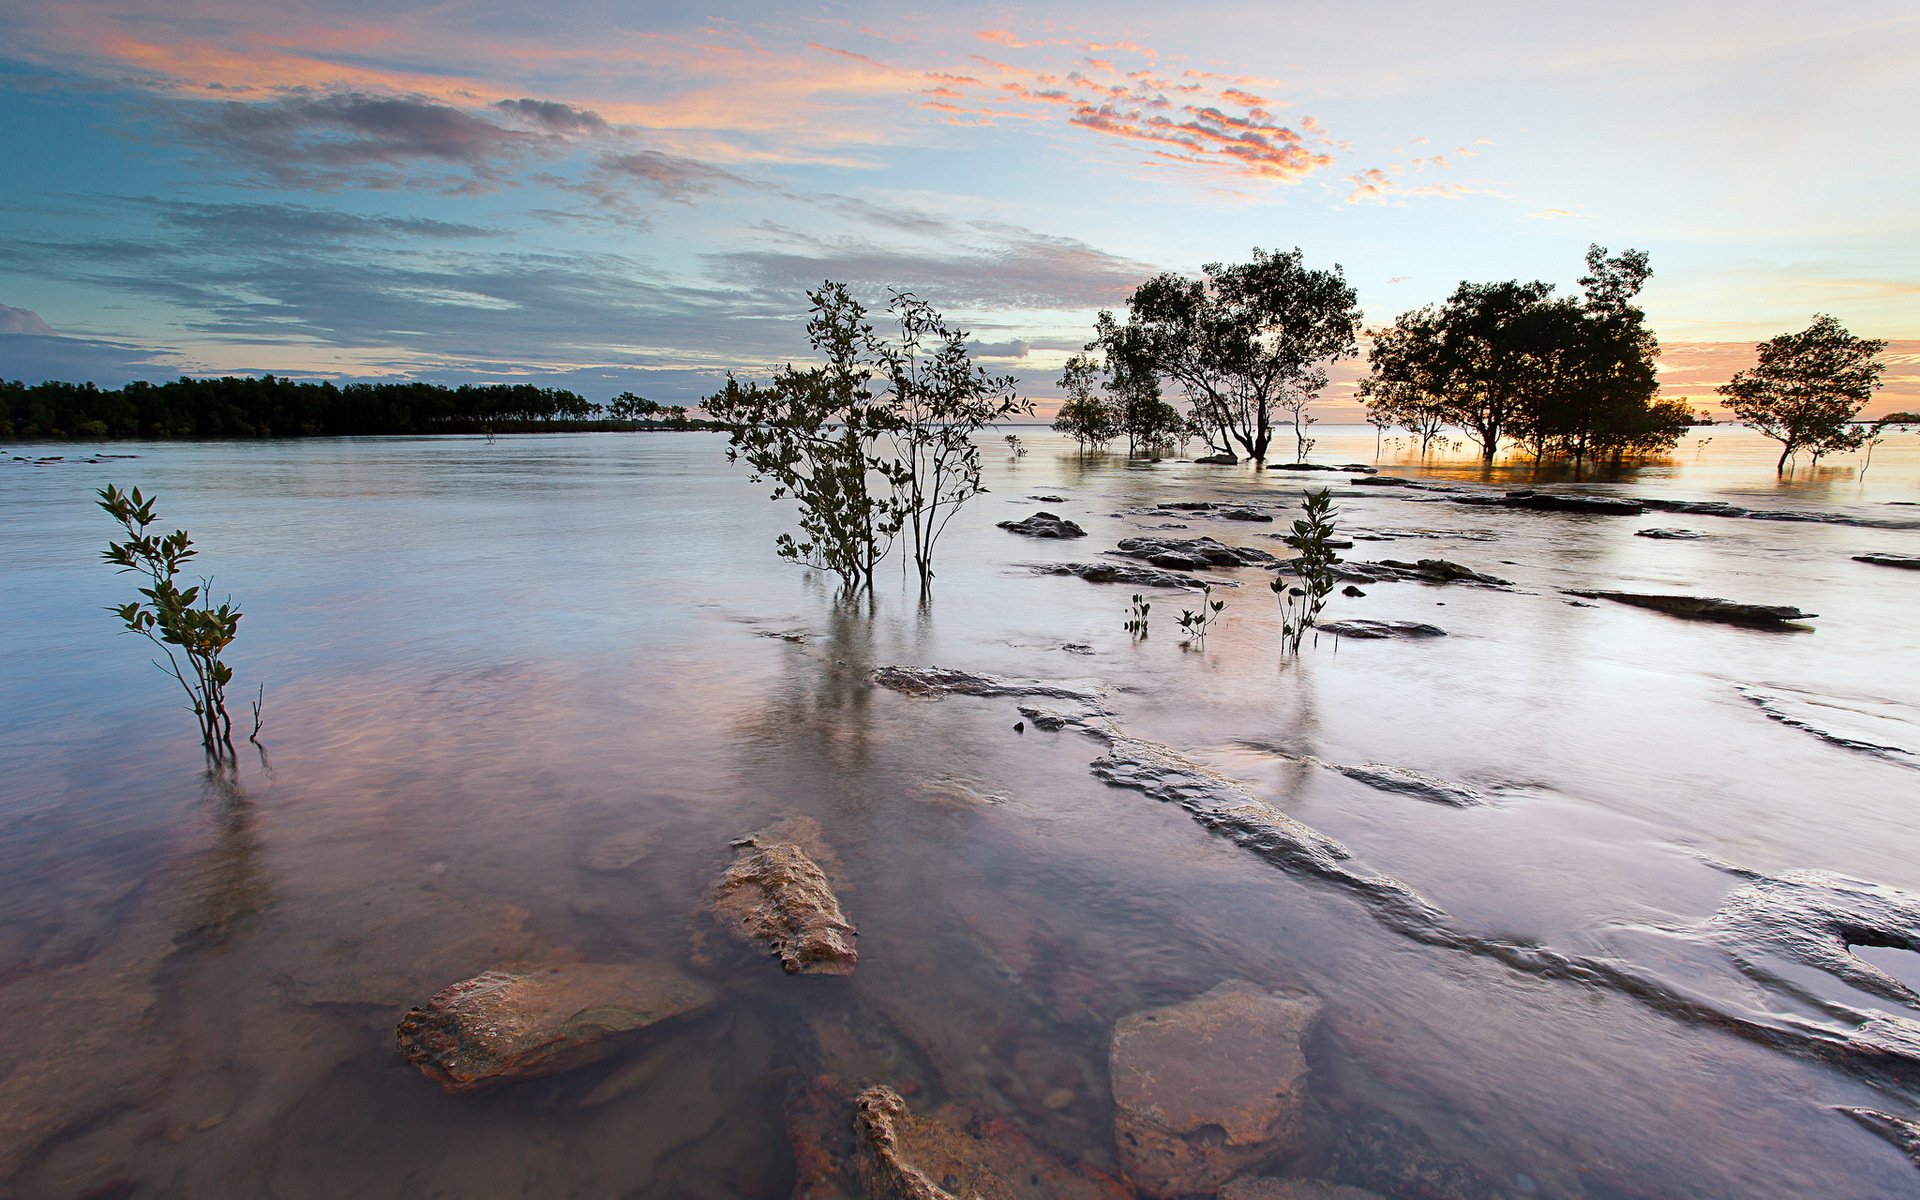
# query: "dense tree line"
[[246, 407]]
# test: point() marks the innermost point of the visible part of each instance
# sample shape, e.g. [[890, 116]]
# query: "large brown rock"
[[522, 1023], [872, 1147], [777, 894], [1207, 1089]]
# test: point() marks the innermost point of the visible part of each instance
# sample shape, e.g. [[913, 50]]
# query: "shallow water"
[[483, 661]]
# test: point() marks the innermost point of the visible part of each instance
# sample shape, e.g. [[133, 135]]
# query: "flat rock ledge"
[[1409, 782], [775, 894], [1393, 570], [524, 1022], [1192, 554], [1044, 525], [1898, 1131], [1573, 502], [1204, 1090], [1669, 535], [1379, 630], [1707, 608], [1128, 573], [1910, 562]]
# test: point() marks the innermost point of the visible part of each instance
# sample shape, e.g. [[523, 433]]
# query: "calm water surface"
[[484, 661]]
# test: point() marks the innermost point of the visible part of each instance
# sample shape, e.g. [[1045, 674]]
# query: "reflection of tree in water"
[[223, 884]]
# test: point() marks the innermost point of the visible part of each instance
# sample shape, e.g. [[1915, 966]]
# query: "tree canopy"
[[1565, 376], [1243, 341], [1807, 388]]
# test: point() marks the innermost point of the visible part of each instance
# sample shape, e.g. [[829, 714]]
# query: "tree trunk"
[[1780, 468]]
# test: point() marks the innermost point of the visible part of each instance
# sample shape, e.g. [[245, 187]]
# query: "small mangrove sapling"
[[1302, 600], [1137, 617], [182, 622], [1196, 624]]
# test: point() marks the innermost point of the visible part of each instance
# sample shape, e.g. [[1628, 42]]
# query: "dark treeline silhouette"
[[245, 407]]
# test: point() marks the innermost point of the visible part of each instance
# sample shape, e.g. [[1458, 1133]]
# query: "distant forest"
[[268, 407]]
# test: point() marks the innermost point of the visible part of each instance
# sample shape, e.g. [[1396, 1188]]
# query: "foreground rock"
[[1206, 1089], [870, 1145], [1908, 561], [1192, 554], [522, 1023], [777, 895], [1044, 525], [1376, 630], [1707, 608], [1129, 573]]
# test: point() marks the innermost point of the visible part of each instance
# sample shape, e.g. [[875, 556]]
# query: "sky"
[[637, 196]]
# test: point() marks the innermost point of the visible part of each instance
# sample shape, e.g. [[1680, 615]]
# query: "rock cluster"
[[1129, 573]]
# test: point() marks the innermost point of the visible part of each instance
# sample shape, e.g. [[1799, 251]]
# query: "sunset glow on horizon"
[[609, 198]]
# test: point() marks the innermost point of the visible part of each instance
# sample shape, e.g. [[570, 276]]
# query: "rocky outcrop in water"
[[1720, 508], [866, 1144], [1244, 514], [776, 894], [1206, 1089], [1706, 608], [1217, 460], [944, 681], [519, 1023], [1389, 570], [1044, 525], [1363, 630], [1669, 535], [1897, 1131], [1909, 562], [1192, 554], [1396, 1159], [1128, 573], [1884, 728], [1612, 506], [1409, 782], [1811, 919]]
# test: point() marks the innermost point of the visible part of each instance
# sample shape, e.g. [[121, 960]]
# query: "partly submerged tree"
[[1085, 415], [866, 466], [1565, 377], [1245, 341], [1807, 388], [182, 622], [815, 433], [939, 401]]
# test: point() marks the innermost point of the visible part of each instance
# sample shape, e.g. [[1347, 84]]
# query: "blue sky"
[[620, 197]]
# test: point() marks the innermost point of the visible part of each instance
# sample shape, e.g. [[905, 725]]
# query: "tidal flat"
[[1577, 898]]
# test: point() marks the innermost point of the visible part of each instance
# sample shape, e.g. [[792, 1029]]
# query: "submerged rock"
[[1373, 630], [1669, 535], [1410, 782], [1192, 554], [944, 681], [618, 851], [1899, 1131], [1206, 1089], [1044, 525], [1910, 562], [866, 1144], [1706, 608], [1883, 728], [1397, 1159], [520, 1023], [775, 893], [1130, 573]]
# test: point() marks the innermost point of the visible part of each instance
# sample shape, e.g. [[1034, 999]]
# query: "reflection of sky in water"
[[484, 661]]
